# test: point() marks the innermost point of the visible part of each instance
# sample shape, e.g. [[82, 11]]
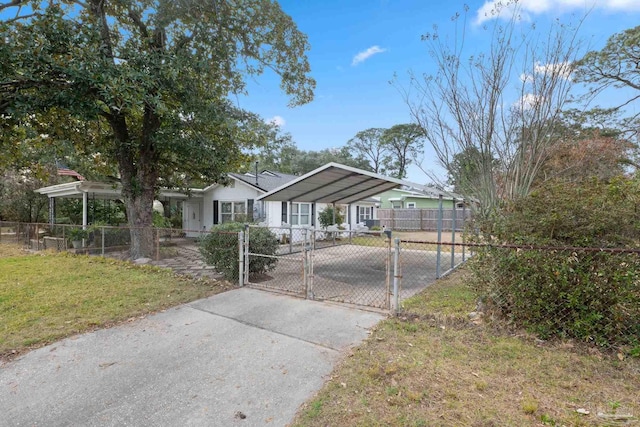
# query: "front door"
[[192, 222]]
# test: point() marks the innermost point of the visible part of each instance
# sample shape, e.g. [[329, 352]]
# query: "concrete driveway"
[[244, 357]]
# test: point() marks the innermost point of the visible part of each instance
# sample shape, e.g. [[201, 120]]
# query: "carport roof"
[[333, 183], [97, 190]]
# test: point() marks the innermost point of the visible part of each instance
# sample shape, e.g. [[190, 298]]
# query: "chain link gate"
[[288, 269], [342, 266]]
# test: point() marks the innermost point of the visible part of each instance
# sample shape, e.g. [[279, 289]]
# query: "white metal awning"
[[333, 183], [99, 190]]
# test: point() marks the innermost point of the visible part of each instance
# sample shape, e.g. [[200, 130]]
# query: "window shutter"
[[250, 210], [358, 214], [284, 212], [215, 212], [313, 214]]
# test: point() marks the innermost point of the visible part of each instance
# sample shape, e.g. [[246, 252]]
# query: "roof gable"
[[266, 180]]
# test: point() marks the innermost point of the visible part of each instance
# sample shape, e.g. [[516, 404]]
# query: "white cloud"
[[366, 54], [526, 78], [528, 101], [562, 69], [493, 9], [276, 121]]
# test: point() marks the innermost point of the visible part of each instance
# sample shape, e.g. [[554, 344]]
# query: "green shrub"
[[77, 234], [220, 249], [160, 221], [588, 295], [325, 217]]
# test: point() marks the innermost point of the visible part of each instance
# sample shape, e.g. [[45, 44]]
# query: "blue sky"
[[354, 95]]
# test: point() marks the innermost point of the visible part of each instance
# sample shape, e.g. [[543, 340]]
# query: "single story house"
[[217, 204], [350, 189]]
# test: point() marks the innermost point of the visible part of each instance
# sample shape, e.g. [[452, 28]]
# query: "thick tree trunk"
[[138, 176], [140, 216]]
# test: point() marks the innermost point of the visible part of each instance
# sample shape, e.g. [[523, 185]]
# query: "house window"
[[364, 213], [411, 205], [233, 211], [301, 214], [396, 205]]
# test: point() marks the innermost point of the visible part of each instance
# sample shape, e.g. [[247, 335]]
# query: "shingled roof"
[[267, 180]]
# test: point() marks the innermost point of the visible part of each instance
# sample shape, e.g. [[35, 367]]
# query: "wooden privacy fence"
[[422, 219]]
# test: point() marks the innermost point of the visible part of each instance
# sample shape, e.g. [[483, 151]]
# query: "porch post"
[[52, 210], [334, 212], [84, 210]]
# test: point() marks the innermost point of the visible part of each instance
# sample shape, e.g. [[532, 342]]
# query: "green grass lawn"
[[46, 297], [432, 367]]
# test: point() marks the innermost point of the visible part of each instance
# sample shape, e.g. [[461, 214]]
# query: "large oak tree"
[[154, 79]]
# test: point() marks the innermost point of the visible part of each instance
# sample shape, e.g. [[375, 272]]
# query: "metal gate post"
[[241, 258], [310, 255], [102, 242], [246, 253], [388, 281], [305, 263], [439, 248], [396, 277]]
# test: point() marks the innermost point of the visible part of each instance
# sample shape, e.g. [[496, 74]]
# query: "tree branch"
[[12, 4], [135, 17]]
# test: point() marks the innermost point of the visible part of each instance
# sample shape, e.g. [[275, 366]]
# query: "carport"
[[333, 183], [352, 266], [348, 266]]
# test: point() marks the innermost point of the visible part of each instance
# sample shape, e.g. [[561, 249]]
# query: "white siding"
[[354, 211], [238, 193], [274, 214]]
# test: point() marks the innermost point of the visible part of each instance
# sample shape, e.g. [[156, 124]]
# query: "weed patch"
[[431, 366]]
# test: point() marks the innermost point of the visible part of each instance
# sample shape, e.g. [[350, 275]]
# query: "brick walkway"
[[188, 261]]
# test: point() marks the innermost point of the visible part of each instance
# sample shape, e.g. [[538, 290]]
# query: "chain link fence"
[[588, 294], [364, 268]]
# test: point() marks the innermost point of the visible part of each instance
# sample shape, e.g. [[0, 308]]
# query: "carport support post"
[[333, 210], [453, 234], [464, 219], [291, 238], [396, 277], [439, 226], [241, 258]]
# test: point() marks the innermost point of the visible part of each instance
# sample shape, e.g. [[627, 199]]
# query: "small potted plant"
[[77, 235]]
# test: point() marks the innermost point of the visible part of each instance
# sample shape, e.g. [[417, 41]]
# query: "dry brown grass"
[[431, 367], [11, 250]]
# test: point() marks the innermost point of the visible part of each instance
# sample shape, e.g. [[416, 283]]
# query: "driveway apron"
[[244, 357]]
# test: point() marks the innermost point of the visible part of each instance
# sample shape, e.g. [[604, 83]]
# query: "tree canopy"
[[615, 65], [282, 155], [152, 79]]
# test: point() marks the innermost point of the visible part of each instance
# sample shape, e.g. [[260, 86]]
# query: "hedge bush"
[[220, 249], [588, 295]]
